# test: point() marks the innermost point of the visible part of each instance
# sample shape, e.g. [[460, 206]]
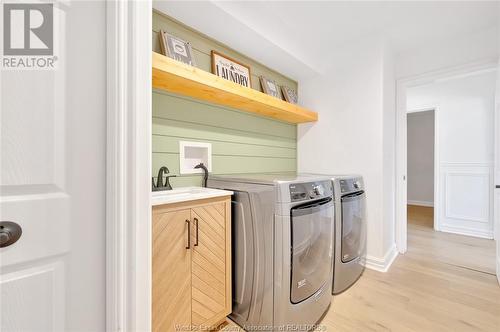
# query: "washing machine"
[[282, 246], [350, 235], [350, 229]]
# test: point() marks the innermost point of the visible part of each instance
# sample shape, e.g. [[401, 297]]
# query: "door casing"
[[128, 193], [401, 134]]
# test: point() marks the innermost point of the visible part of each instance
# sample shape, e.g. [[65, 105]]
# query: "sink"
[[179, 191], [185, 194]]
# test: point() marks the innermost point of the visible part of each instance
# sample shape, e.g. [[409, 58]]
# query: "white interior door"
[[34, 195], [52, 278]]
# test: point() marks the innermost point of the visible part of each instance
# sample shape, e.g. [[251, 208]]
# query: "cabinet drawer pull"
[[189, 234], [196, 221]]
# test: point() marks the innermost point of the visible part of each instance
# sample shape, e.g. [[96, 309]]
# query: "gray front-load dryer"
[[282, 249], [350, 229], [351, 226]]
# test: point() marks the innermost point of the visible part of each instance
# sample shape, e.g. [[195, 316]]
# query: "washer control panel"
[[351, 185], [310, 190]]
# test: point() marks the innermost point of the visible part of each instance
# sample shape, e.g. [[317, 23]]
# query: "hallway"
[[462, 251], [445, 282]]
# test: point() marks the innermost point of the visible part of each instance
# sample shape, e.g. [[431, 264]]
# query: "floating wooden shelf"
[[174, 76]]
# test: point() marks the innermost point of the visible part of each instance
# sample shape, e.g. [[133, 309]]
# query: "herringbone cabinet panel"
[[209, 263], [191, 265], [171, 272]]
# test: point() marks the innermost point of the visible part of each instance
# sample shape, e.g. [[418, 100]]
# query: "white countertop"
[[185, 194]]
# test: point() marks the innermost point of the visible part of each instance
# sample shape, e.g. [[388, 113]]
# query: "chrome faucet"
[[159, 182], [205, 175]]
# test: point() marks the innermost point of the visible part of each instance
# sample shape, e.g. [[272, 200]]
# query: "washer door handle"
[[10, 232]]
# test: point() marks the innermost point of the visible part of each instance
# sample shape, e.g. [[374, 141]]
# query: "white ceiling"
[[299, 37]]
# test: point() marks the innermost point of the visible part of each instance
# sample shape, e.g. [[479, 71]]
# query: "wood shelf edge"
[[174, 76]]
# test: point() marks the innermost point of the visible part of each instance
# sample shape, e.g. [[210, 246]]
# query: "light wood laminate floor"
[[445, 282]]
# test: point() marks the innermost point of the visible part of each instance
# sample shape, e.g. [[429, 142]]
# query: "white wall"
[[389, 154], [349, 137], [465, 143], [420, 174], [464, 49]]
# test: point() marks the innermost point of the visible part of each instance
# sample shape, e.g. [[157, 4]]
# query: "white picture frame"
[[270, 87], [176, 48]]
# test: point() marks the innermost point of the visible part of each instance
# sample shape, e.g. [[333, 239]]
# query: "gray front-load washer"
[[282, 249]]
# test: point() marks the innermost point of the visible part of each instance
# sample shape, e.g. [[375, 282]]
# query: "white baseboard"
[[466, 231], [420, 203], [498, 270], [382, 264]]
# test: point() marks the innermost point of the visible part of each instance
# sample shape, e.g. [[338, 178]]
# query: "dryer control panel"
[[351, 185], [310, 190]]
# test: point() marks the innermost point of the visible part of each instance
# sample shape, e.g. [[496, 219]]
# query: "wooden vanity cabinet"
[[191, 264]]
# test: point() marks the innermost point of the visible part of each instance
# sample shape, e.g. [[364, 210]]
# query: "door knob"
[[10, 232]]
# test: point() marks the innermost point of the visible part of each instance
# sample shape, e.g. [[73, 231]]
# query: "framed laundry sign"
[[230, 69]]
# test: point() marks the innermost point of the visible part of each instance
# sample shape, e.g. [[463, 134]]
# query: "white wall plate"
[[193, 153]]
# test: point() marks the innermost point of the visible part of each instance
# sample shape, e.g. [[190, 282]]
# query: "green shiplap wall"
[[241, 142], [202, 46]]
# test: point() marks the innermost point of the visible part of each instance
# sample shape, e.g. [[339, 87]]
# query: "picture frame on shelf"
[[176, 48], [290, 94], [231, 69], [270, 87]]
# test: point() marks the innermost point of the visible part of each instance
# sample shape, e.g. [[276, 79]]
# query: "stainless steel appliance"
[[350, 234], [282, 249], [350, 229]]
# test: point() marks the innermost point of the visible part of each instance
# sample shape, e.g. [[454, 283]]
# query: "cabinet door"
[[211, 283], [171, 271]]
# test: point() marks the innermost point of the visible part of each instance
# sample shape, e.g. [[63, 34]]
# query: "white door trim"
[[401, 138], [128, 208]]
